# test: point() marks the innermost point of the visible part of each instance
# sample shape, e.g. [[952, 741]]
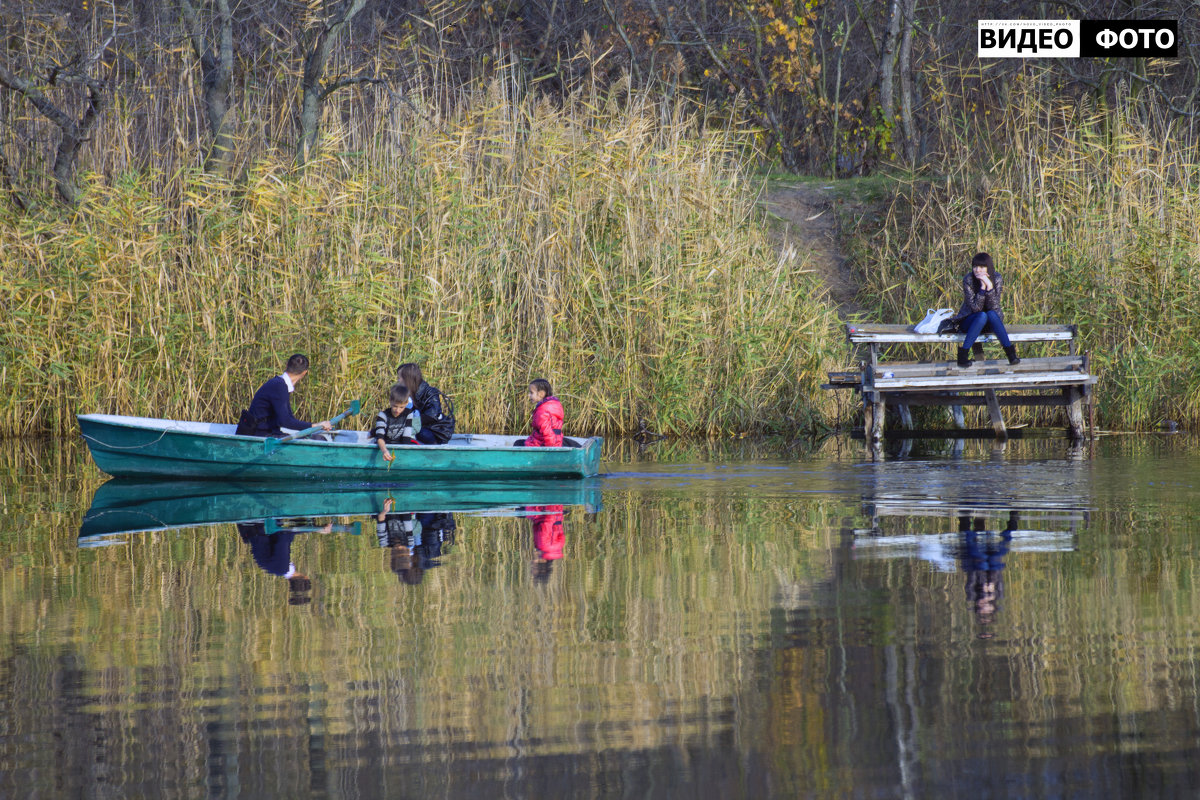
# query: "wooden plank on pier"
[[952, 400], [968, 381], [992, 367], [874, 333]]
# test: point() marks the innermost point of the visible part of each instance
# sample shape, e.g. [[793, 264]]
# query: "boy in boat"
[[399, 423], [271, 409], [547, 419], [414, 539]]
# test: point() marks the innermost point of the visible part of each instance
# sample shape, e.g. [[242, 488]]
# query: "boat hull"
[[139, 447]]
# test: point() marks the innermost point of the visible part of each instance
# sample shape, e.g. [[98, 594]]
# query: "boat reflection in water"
[[413, 522]]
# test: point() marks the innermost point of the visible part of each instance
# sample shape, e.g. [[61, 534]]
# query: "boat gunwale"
[[159, 424]]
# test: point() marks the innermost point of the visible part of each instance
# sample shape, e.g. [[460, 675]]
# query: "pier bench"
[[1062, 380]]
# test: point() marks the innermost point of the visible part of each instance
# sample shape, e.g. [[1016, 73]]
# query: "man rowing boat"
[[271, 409]]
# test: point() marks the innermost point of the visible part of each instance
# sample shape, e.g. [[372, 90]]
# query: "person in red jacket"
[[548, 538], [547, 418]]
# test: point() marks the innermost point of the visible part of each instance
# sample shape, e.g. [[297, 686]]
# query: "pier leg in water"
[[994, 409], [1074, 399], [873, 413], [956, 414]]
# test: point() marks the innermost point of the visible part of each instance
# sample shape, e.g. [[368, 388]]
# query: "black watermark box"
[[1106, 38]]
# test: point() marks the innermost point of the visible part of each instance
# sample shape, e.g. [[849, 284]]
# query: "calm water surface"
[[748, 621]]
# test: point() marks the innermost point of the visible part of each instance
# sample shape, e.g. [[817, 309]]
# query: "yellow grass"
[[610, 245]]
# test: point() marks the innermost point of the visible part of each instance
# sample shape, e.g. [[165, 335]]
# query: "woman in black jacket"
[[981, 309], [437, 412]]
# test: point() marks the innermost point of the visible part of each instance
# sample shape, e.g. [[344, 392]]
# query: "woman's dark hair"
[[296, 364], [984, 260], [410, 375], [542, 385], [398, 393]]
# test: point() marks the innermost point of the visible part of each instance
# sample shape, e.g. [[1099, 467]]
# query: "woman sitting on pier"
[[981, 309]]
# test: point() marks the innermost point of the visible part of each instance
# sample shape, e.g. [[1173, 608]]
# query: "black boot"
[[963, 361], [1011, 352]]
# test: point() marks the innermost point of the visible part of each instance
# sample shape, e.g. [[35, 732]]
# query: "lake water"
[[750, 620]]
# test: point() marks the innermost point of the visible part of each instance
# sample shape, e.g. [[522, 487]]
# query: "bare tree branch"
[[633, 59], [342, 83], [73, 132]]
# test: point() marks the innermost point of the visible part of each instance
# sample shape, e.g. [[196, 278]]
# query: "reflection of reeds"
[[610, 246], [1092, 217], [673, 618], [632, 643]]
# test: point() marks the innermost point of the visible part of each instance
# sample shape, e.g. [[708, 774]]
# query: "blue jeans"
[[976, 323]]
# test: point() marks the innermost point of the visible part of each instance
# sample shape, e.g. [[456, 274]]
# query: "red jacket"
[[547, 424], [548, 536]]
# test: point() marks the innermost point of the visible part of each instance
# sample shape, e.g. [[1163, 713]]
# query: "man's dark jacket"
[[271, 409]]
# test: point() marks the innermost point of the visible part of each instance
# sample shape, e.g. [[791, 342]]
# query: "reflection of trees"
[[637, 628], [700, 633], [887, 663]]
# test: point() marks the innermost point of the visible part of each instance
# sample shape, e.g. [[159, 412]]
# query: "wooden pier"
[[1056, 380]]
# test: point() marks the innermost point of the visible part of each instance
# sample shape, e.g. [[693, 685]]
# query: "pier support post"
[[956, 414], [873, 412], [1074, 400], [997, 419]]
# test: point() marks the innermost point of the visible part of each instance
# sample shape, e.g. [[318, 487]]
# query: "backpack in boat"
[[249, 425], [446, 403]]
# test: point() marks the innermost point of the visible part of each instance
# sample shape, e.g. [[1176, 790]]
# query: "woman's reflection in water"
[[548, 538], [415, 540], [982, 559]]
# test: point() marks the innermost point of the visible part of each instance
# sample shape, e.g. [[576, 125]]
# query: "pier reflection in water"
[[1020, 624]]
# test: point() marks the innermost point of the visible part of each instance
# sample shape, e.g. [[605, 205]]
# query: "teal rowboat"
[[162, 448], [122, 506]]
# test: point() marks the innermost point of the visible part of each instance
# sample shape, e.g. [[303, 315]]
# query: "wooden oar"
[[271, 443], [272, 527]]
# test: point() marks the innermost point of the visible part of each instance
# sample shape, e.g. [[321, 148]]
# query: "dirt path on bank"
[[806, 219]]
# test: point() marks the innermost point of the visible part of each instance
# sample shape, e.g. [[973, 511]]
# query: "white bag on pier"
[[933, 318]]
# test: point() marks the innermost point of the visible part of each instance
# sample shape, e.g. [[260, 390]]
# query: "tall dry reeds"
[[1092, 217], [610, 244]]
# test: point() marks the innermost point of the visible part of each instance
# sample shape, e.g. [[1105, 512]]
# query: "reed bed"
[[1091, 215], [610, 244]]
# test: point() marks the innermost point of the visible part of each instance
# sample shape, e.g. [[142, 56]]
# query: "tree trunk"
[[887, 64], [313, 94], [216, 70], [906, 83]]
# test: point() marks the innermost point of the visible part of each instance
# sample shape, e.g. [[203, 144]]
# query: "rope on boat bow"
[[125, 447]]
